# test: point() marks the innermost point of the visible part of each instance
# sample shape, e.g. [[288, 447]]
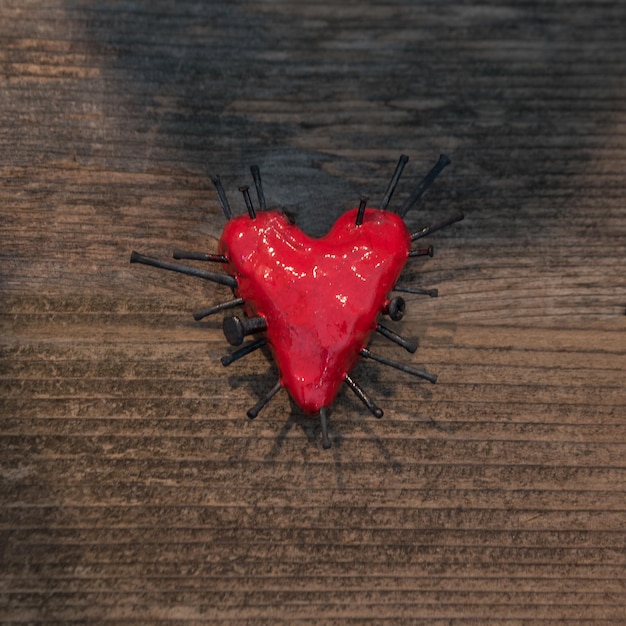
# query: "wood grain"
[[133, 488]]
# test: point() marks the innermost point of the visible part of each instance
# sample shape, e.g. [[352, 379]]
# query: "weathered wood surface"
[[134, 490]]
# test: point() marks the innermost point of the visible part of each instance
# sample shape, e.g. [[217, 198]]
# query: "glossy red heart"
[[320, 297]]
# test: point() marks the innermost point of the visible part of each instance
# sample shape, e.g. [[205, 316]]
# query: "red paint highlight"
[[320, 297]]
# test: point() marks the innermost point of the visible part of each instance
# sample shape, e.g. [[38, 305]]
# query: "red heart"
[[320, 297]]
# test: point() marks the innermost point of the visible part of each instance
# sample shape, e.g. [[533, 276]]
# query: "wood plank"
[[134, 490]]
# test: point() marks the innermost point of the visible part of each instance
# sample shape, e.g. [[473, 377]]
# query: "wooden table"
[[134, 489]]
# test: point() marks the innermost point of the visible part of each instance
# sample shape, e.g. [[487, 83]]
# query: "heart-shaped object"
[[315, 302], [320, 298]]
